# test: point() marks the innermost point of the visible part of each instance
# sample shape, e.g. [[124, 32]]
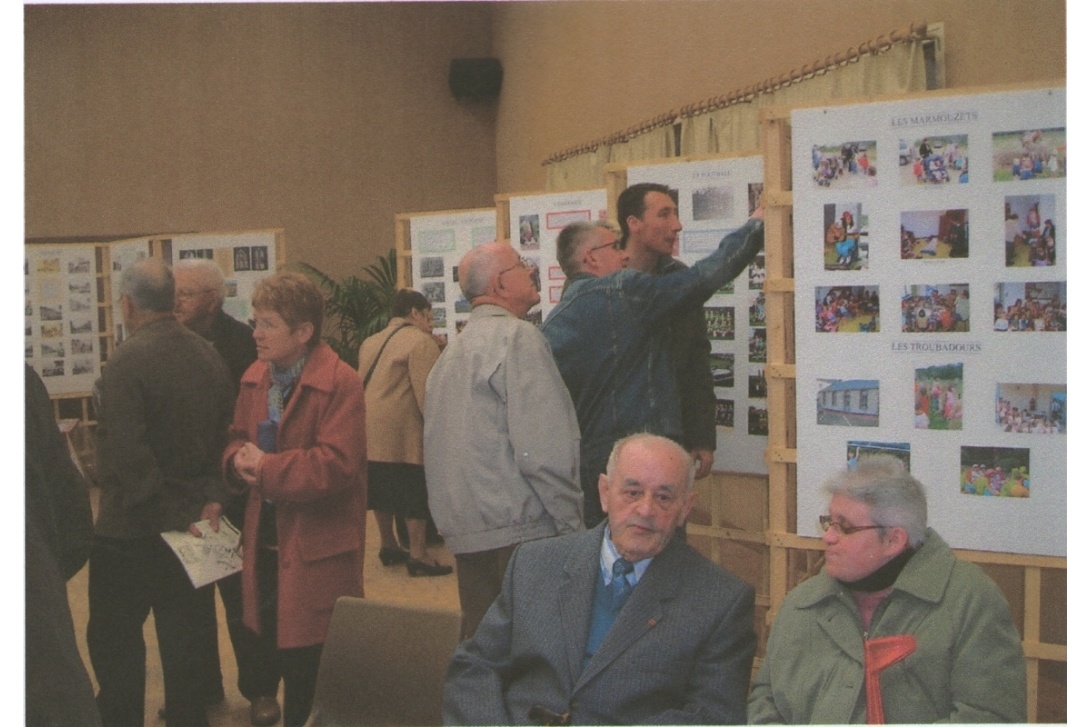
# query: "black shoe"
[[420, 568], [393, 556]]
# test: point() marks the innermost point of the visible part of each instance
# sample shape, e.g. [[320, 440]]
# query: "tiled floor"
[[386, 584]]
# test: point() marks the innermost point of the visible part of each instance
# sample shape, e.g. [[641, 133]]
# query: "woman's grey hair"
[[150, 285], [894, 496], [615, 455]]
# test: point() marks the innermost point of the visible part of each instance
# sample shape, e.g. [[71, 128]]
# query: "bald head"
[[493, 273]]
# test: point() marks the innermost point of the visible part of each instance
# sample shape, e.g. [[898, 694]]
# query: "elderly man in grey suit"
[[620, 624]]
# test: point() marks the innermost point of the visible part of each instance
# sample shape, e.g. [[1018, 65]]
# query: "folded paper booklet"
[[210, 557]]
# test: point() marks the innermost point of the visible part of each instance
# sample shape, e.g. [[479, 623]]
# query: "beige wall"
[[326, 120], [579, 71], [329, 119]]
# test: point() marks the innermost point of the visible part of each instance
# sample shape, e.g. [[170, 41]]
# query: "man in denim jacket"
[[610, 336]]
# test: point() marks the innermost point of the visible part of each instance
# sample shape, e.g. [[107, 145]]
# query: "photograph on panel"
[[848, 402], [995, 471], [934, 160], [939, 391], [1031, 408], [846, 245], [934, 234], [846, 309], [939, 308], [1029, 230], [845, 165], [1029, 154], [900, 450], [1031, 307]]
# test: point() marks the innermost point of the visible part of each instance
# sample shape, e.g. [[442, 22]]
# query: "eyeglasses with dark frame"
[[616, 245], [827, 522]]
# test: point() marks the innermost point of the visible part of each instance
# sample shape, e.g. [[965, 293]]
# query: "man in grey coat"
[[622, 624]]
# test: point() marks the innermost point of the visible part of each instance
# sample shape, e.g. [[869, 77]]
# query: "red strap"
[[878, 654]]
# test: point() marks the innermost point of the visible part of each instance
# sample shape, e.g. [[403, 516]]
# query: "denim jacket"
[[610, 338]]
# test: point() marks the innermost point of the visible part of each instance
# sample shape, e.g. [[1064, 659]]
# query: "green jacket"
[[968, 665]]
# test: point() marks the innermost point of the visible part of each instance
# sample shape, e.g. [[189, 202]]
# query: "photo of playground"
[[935, 308], [1029, 154], [934, 160], [1029, 232], [1031, 307], [722, 365], [847, 402], [995, 471], [900, 450], [846, 247], [1031, 408], [934, 234], [938, 396], [846, 309], [845, 166]]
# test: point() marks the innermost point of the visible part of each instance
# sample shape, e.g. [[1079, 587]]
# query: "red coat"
[[318, 480]]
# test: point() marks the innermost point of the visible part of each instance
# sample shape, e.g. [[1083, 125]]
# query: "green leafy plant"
[[356, 307]]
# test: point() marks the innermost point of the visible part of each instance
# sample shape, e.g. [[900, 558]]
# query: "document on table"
[[211, 557]]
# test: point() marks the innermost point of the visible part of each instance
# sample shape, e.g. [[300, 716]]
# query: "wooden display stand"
[[1028, 581]]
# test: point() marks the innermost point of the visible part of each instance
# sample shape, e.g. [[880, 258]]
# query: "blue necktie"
[[619, 587]]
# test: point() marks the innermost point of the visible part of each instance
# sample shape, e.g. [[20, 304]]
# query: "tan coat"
[[395, 394]]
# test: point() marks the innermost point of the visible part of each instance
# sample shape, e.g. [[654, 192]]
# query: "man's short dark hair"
[[406, 301], [633, 201], [568, 242], [150, 285]]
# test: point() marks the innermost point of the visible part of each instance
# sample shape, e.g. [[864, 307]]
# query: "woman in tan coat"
[[394, 366]]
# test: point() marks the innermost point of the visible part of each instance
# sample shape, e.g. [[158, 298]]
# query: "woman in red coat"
[[297, 444]]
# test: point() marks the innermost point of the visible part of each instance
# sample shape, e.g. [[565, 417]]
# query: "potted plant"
[[356, 307]]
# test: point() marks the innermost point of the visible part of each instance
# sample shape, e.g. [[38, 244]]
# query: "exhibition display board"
[[930, 254], [437, 241], [72, 310], [716, 196], [534, 222]]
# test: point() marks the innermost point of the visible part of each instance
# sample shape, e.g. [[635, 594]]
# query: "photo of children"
[[848, 165], [1034, 307], [1029, 154], [847, 402], [724, 413], [720, 322], [845, 228], [934, 160], [758, 345], [722, 365], [434, 292], [935, 308], [758, 421], [934, 234], [757, 310], [995, 471], [900, 450], [529, 232], [756, 273], [938, 397], [1031, 408], [1029, 233], [846, 309], [758, 384]]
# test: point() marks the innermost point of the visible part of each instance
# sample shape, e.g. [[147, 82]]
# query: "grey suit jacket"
[[680, 652]]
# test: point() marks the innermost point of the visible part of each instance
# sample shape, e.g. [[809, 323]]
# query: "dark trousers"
[[128, 579], [480, 578], [257, 673], [298, 667]]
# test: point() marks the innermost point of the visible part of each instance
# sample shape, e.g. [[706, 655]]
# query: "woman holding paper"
[[297, 444]]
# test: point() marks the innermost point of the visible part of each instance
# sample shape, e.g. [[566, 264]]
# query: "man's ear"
[[603, 492]]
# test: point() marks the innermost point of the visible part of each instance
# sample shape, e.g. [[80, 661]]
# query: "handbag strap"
[[367, 378]]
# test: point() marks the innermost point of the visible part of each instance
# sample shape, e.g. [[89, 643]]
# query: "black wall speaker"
[[476, 79]]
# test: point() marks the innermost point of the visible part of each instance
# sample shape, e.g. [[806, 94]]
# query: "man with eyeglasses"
[[611, 336], [895, 628], [501, 441], [199, 291]]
